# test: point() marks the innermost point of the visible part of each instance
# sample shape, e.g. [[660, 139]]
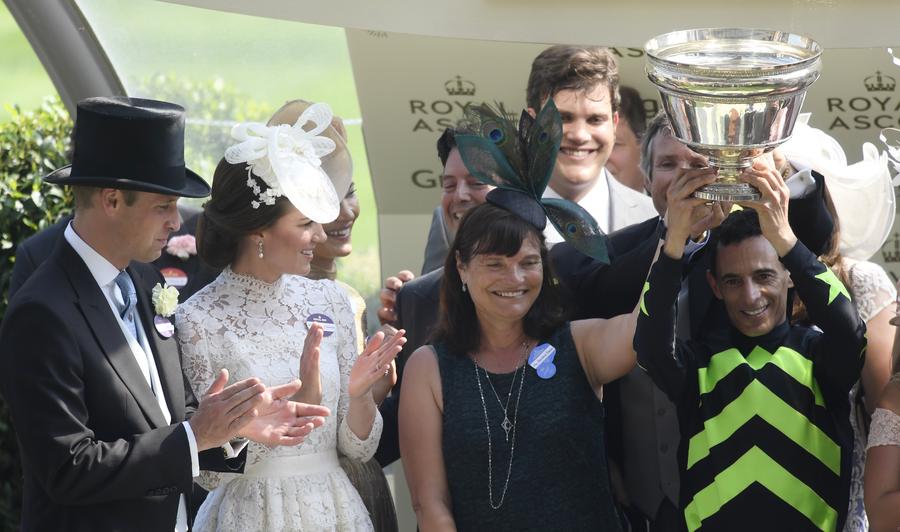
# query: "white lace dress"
[[873, 291], [257, 329]]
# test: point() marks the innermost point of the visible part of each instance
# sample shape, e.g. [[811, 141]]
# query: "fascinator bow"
[[288, 159]]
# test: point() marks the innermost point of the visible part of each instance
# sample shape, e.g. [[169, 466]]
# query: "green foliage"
[[212, 106], [32, 145]]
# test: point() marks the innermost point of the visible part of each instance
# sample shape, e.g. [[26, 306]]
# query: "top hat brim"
[[193, 186]]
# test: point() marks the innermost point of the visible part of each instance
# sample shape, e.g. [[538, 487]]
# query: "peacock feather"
[[518, 158]]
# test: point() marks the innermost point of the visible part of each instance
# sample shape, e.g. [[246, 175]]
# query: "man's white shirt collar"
[[596, 202], [101, 269]]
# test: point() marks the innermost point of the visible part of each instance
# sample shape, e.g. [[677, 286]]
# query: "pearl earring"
[[465, 288], [259, 247]]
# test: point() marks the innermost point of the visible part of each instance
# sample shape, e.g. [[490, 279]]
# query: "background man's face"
[[625, 159], [589, 134], [753, 284], [460, 191], [670, 158]]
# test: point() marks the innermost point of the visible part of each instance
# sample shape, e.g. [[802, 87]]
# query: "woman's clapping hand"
[[311, 392], [374, 362]]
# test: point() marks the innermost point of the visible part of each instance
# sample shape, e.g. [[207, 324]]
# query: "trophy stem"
[[717, 192], [728, 187]]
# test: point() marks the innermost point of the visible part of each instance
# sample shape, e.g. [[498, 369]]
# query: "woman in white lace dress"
[[259, 316]]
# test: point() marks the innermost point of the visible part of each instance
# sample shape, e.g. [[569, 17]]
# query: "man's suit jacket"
[[418, 307], [34, 250], [626, 205], [613, 205], [437, 244], [96, 450]]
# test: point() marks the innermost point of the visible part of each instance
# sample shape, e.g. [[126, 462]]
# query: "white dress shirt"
[[104, 274], [612, 204]]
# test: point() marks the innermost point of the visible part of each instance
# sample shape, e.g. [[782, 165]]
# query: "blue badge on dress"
[[541, 359], [164, 326], [326, 323]]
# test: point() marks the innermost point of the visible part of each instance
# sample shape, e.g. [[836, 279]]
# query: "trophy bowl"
[[732, 94]]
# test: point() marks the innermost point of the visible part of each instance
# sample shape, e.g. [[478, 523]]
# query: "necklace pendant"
[[506, 426]]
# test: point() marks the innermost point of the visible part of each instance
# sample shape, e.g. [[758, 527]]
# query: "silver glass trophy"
[[732, 94]]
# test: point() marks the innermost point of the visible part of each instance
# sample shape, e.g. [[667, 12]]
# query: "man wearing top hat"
[[110, 434]]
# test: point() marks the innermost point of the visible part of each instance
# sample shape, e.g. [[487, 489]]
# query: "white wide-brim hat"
[[863, 194]]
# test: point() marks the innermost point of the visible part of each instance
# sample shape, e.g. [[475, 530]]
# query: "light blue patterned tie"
[[129, 298]]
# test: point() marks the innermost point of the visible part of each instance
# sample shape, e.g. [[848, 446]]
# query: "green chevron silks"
[[757, 410]]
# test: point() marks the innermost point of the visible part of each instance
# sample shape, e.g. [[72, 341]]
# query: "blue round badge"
[[541, 359], [326, 323]]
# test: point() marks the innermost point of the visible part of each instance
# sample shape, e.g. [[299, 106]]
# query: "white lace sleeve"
[[348, 443], [872, 289], [885, 429], [198, 368]]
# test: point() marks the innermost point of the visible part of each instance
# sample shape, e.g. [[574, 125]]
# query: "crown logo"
[[459, 87], [892, 256], [880, 82]]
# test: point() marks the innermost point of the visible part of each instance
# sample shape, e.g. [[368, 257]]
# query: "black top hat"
[[133, 144]]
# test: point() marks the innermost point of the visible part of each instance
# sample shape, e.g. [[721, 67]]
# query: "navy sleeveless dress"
[[559, 478]]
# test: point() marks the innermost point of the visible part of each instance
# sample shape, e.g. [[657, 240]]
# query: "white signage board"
[[411, 87]]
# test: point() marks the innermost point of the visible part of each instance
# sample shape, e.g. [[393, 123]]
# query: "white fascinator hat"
[[300, 155]]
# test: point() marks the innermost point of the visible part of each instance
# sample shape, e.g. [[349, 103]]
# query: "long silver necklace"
[[506, 425], [487, 426]]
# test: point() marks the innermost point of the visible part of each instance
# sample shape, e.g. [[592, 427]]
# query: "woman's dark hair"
[[488, 229], [229, 214]]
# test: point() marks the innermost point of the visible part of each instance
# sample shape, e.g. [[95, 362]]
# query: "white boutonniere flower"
[[165, 300]]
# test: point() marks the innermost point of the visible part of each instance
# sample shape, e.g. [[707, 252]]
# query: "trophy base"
[[727, 192]]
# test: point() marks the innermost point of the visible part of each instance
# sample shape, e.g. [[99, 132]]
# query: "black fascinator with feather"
[[518, 159]]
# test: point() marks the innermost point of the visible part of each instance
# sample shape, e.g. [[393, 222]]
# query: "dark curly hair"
[[568, 67]]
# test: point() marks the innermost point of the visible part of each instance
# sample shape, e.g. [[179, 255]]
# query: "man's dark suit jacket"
[[417, 306], [35, 249], [96, 451]]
